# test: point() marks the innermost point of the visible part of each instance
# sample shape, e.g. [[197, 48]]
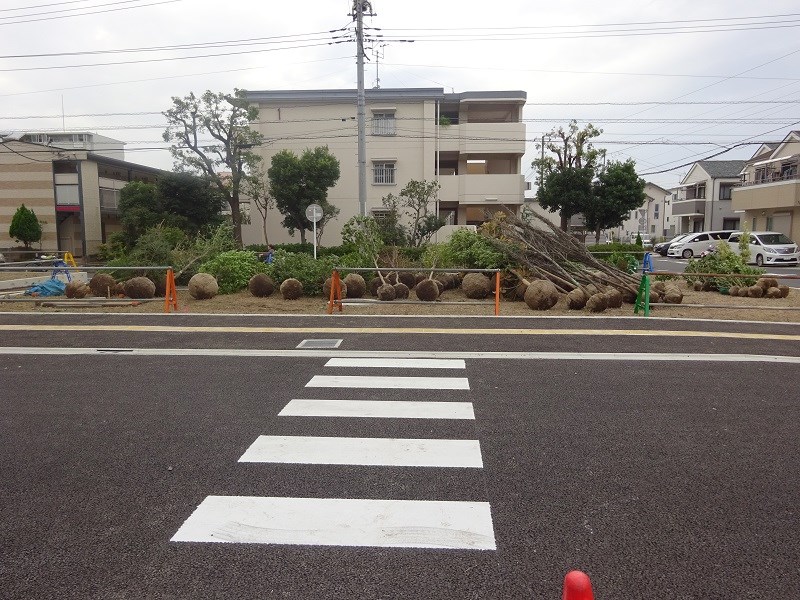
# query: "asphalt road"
[[666, 475]]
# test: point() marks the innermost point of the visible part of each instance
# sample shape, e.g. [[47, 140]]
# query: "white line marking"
[[260, 353], [399, 363], [340, 522], [378, 383], [379, 408], [364, 451]]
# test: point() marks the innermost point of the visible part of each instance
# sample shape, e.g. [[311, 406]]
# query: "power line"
[[96, 12]]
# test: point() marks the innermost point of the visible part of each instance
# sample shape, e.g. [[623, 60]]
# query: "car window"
[[677, 238], [734, 238], [754, 240], [703, 237], [775, 238]]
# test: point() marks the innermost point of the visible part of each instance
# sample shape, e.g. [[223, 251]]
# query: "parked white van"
[[694, 244], [768, 248]]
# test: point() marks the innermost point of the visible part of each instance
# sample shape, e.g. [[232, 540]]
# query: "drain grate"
[[319, 344]]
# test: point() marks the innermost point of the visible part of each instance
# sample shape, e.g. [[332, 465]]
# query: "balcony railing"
[[775, 177]]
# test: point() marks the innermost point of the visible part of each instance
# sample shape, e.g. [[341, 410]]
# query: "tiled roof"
[[722, 168]]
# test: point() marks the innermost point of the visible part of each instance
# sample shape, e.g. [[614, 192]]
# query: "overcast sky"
[[730, 69]]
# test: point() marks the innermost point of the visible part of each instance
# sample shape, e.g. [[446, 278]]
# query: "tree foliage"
[[179, 200], [228, 159], [25, 227], [296, 182], [563, 174], [418, 197], [617, 191], [363, 234]]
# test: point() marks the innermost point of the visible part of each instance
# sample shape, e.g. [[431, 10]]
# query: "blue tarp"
[[51, 287]]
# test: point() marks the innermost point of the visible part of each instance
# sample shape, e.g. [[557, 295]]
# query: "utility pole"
[[359, 8]]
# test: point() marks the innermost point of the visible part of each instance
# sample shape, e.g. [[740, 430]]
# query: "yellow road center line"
[[408, 330]]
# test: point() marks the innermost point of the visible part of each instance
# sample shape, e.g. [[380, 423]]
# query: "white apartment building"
[[471, 142], [703, 201]]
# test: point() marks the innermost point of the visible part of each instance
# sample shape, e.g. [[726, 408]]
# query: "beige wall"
[[26, 181], [413, 148]]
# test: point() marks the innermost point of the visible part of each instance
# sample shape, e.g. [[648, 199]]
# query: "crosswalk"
[[389, 523]]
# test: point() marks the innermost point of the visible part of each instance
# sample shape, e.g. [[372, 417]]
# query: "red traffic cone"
[[577, 586]]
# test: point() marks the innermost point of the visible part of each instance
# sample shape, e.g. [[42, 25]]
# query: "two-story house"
[[703, 201], [471, 143], [74, 193], [769, 196]]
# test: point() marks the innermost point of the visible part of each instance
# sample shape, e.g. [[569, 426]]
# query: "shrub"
[[723, 261], [465, 249], [311, 273], [233, 269]]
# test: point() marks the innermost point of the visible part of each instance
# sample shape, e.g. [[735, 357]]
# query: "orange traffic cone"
[[577, 586]]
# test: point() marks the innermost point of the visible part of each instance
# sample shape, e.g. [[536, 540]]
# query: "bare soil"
[[452, 302]]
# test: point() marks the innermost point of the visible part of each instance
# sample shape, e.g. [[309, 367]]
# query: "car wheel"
[[687, 253], [759, 260]]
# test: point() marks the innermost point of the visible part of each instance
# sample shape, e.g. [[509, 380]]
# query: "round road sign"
[[313, 212]]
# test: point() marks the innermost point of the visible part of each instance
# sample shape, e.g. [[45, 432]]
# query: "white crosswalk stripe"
[[390, 523], [386, 409]]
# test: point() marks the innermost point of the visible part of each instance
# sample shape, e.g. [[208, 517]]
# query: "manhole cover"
[[319, 344]]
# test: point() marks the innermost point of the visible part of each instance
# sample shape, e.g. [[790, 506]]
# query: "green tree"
[[566, 174], [25, 227], [191, 201], [138, 210], [363, 233], [296, 182], [227, 160], [617, 191], [392, 230], [418, 197], [180, 200]]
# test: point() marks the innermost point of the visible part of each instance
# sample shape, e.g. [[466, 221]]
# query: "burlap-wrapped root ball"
[[400, 291], [697, 286], [386, 292], [407, 279], [784, 290], [577, 299], [102, 284], [755, 291], [541, 295], [427, 290], [140, 287], [356, 286], [660, 287], [261, 285], [77, 289], [743, 291], [203, 286], [291, 289], [326, 288], [654, 297], [374, 284], [773, 292], [118, 289], [733, 290], [767, 282], [597, 303], [673, 295], [614, 297], [476, 286]]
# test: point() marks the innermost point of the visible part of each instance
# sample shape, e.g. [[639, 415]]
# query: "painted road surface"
[[123, 471]]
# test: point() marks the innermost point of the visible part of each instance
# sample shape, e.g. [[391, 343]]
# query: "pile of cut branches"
[[544, 251]]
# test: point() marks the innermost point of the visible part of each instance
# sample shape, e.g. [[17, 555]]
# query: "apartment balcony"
[[482, 189], [689, 208], [483, 138], [778, 193]]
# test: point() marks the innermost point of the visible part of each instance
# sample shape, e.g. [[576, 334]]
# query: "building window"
[[725, 191], [730, 223], [109, 199], [696, 192], [383, 123], [770, 224], [383, 173], [380, 214], [67, 195]]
